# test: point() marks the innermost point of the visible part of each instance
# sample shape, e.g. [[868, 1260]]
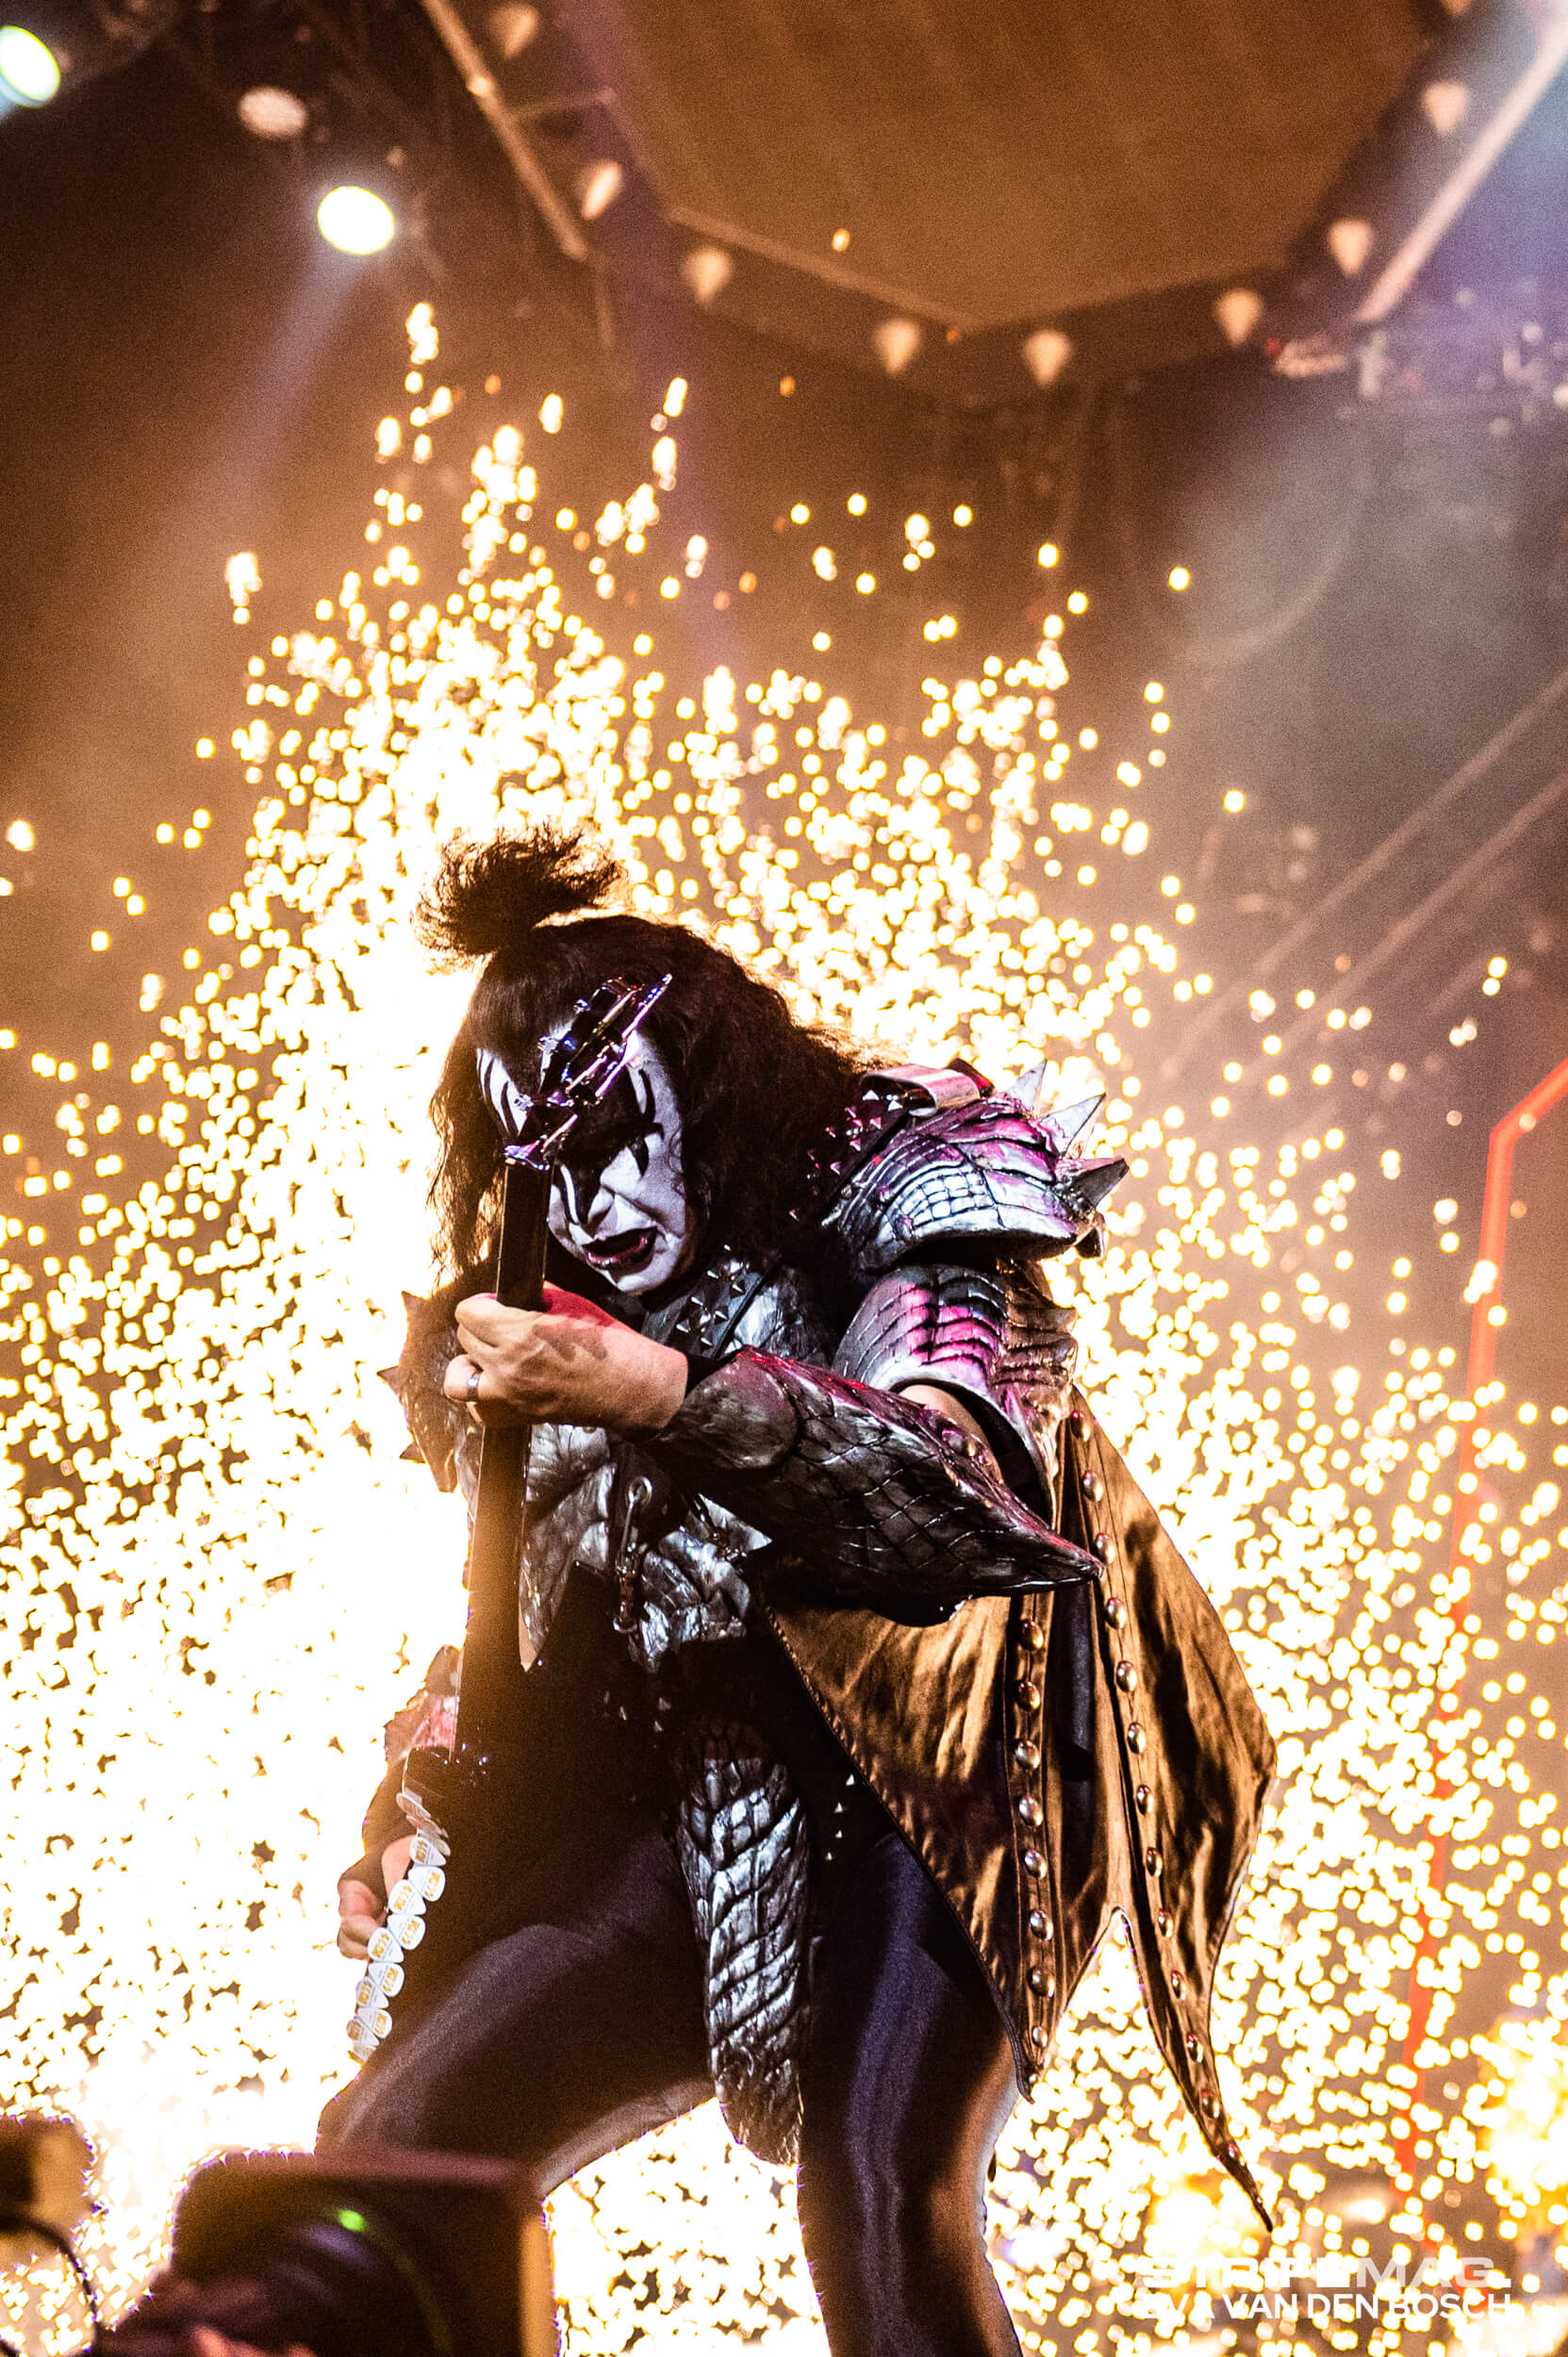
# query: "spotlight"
[[707, 271], [512, 27], [1046, 353], [51, 47], [597, 185], [30, 70], [1445, 106], [1238, 311], [896, 341], [271, 113], [355, 221], [1350, 242]]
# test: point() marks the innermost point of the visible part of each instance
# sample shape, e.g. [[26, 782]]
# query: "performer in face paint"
[[854, 1718], [620, 1202]]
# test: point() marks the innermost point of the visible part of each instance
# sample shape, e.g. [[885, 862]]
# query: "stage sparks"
[[229, 1579]]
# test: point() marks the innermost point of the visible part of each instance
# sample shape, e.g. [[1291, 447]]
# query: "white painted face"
[[619, 1199]]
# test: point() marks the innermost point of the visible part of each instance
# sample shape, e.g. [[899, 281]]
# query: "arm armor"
[[869, 1501], [991, 1336]]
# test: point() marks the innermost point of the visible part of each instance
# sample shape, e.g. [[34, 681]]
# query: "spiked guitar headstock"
[[580, 1069]]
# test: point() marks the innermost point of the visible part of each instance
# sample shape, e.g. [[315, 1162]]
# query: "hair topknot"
[[488, 898]]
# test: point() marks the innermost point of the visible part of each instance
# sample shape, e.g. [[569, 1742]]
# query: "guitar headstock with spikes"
[[580, 1069]]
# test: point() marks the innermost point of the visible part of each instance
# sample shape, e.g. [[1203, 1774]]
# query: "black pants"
[[583, 2028]]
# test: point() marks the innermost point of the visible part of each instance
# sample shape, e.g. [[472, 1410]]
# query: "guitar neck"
[[493, 1672]]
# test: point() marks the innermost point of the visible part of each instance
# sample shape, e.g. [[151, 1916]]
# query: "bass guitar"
[[461, 1801]]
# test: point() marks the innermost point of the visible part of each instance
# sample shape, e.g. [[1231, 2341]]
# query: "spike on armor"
[[973, 1167]]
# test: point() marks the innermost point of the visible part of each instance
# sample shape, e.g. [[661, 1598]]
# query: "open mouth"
[[623, 1255]]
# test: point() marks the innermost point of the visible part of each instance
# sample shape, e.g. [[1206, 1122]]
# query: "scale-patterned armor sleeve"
[[874, 1501], [991, 1335]]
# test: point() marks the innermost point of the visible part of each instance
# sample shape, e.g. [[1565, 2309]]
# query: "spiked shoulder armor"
[[973, 1164]]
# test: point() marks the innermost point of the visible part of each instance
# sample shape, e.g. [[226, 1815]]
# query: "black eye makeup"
[[625, 1119]]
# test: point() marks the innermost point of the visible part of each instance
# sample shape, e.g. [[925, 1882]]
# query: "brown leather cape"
[[1059, 1760]]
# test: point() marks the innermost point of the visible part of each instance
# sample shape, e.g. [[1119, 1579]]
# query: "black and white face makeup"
[[619, 1199]]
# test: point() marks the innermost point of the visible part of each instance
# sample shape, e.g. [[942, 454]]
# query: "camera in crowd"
[[360, 2254]]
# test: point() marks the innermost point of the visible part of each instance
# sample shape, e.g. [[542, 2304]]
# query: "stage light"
[[1238, 312], [512, 27], [355, 221], [1350, 242], [271, 113], [597, 186], [61, 44], [896, 341], [30, 70], [1046, 353], [707, 271], [1445, 106]]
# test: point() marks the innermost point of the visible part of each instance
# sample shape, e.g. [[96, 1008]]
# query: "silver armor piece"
[[690, 1583], [878, 1503], [744, 1850], [783, 1316], [981, 1169], [734, 1305], [566, 1517], [993, 1336], [740, 1829]]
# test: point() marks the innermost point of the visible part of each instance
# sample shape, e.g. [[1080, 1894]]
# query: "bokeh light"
[[355, 221], [30, 70]]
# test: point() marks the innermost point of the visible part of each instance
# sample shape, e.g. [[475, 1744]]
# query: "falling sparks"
[[1521, 2102], [242, 576], [229, 1578]]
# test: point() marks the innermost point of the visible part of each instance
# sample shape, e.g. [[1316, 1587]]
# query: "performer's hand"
[[567, 1363], [359, 1911]]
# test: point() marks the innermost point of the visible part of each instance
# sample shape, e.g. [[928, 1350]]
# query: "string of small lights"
[[229, 1579]]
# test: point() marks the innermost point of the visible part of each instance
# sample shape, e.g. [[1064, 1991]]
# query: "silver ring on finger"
[[475, 1377]]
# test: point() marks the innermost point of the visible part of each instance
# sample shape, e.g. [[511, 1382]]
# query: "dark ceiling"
[[986, 198], [997, 160]]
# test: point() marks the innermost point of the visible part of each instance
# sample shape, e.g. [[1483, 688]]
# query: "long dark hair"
[[755, 1088]]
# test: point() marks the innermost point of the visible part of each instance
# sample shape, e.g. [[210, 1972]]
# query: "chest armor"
[[678, 1559]]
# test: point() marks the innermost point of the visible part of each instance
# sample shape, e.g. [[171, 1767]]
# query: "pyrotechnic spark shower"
[[225, 1579]]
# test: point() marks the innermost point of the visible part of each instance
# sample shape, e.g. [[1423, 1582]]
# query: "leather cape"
[[1061, 1761]]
